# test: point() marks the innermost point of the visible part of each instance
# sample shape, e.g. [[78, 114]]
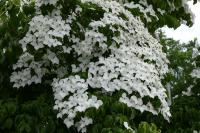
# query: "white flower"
[[52, 57], [196, 73], [81, 125], [128, 127], [68, 122]]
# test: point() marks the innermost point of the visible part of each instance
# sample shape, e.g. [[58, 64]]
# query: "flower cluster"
[[76, 89], [144, 8], [45, 30], [127, 59], [24, 77]]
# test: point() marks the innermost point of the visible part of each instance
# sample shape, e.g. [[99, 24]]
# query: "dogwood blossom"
[[77, 102], [24, 77], [81, 125], [45, 30]]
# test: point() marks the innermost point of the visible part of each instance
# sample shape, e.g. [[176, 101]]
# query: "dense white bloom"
[[129, 67], [23, 59], [79, 101], [25, 76], [130, 59], [144, 8], [45, 30]]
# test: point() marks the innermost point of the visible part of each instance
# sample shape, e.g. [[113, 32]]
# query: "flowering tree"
[[98, 56]]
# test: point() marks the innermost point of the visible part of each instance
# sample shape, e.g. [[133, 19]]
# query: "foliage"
[[25, 116], [147, 128], [184, 87]]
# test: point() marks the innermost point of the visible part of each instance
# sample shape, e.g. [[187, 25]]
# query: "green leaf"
[[171, 21], [8, 123], [144, 127]]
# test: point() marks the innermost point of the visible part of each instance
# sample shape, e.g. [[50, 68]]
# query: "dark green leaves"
[[185, 109], [144, 127]]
